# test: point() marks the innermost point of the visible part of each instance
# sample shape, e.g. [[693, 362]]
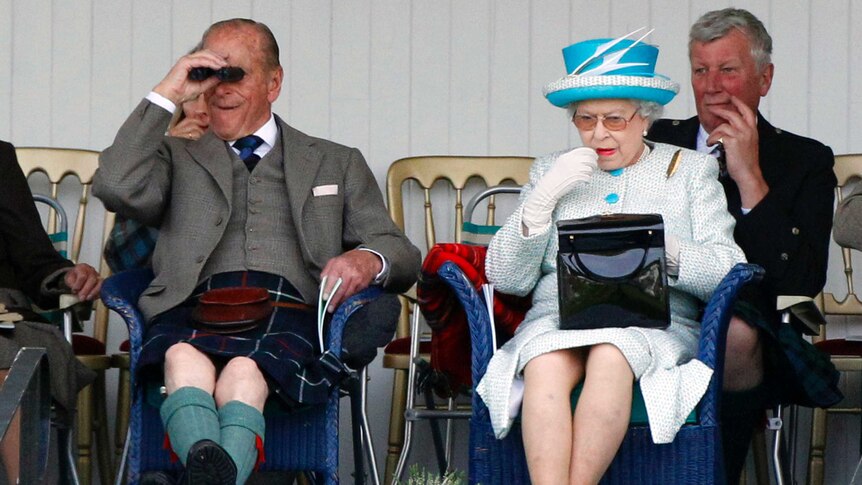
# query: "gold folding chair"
[[57, 164], [845, 355], [453, 173]]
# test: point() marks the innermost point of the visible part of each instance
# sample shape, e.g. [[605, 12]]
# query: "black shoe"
[[209, 464], [157, 478]]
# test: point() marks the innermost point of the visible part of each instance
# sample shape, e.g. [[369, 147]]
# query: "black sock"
[[741, 411]]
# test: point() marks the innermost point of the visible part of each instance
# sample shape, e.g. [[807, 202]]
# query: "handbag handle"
[[632, 251], [616, 277]]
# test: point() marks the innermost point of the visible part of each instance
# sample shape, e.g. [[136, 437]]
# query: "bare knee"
[[241, 380], [743, 341], [608, 361], [561, 369], [743, 368], [187, 366]]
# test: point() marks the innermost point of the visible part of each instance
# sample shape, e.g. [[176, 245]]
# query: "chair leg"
[[779, 450], [761, 460], [66, 450], [396, 423], [817, 452], [411, 395], [363, 446], [356, 428], [124, 404], [439, 445], [366, 429], [84, 433], [100, 420]]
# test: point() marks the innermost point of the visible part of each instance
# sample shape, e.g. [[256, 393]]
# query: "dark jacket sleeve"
[[26, 254], [787, 233]]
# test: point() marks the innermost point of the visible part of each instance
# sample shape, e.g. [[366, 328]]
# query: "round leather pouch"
[[232, 309]]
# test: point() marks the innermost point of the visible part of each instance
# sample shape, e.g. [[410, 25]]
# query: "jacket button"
[[795, 231], [219, 221], [200, 259], [785, 256]]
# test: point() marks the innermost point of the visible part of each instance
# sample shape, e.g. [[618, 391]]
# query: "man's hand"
[[741, 149], [84, 281], [356, 268], [177, 86]]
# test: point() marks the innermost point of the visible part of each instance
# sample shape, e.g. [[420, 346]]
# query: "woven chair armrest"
[[345, 311], [120, 293], [713, 332], [477, 317]]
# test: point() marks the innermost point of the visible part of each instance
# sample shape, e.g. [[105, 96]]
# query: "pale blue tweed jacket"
[[694, 209]]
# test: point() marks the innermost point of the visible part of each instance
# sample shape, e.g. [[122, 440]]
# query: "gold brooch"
[[674, 163]]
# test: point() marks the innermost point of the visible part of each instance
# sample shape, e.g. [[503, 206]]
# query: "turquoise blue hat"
[[611, 69]]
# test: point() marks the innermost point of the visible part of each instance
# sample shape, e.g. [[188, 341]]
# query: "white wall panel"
[[430, 100], [509, 89], [6, 18], [351, 74], [307, 67], [71, 73], [792, 23], [111, 79], [854, 68], [31, 72], [829, 86], [152, 50], [469, 74], [189, 20], [397, 78], [549, 31]]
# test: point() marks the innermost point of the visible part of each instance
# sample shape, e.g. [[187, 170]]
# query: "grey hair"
[[649, 110], [718, 23]]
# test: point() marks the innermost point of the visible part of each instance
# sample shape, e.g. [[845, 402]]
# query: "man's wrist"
[[162, 101], [384, 272]]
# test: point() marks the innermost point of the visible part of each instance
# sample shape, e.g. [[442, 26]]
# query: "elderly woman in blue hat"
[[612, 95]]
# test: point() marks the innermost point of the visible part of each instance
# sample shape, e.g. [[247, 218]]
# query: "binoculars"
[[225, 74]]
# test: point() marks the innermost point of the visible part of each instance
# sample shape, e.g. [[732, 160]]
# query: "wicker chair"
[[306, 440], [442, 174], [694, 457]]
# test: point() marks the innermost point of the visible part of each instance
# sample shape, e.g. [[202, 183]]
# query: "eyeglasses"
[[611, 123], [225, 74]]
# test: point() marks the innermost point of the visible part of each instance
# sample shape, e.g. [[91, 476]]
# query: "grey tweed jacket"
[[184, 187]]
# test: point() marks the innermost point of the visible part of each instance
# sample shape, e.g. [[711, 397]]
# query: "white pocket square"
[[322, 190]]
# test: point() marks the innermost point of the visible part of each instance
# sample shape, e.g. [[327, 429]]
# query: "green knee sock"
[[241, 424], [189, 415]]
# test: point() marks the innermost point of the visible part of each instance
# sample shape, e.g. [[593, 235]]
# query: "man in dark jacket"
[[31, 271], [779, 187]]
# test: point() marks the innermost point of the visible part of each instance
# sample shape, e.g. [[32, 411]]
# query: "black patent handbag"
[[611, 272]]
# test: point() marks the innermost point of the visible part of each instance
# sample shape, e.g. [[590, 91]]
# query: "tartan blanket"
[[450, 333]]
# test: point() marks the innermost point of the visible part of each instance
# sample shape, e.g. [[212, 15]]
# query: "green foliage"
[[420, 476]]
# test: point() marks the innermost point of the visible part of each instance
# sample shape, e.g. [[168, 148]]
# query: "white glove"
[[567, 171], [671, 252]]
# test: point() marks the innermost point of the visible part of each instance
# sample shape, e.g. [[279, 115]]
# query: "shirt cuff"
[[381, 276], [162, 101]]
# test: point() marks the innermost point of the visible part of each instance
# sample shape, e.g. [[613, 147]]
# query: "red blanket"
[[450, 334]]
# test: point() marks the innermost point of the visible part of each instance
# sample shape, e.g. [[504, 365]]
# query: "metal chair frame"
[[57, 164], [456, 171], [848, 168]]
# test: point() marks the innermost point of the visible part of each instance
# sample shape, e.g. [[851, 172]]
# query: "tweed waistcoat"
[[260, 234]]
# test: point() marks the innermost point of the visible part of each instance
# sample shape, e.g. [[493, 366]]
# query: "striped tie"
[[246, 146]]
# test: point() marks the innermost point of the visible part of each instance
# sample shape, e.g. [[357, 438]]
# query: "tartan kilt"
[[285, 346], [796, 372]]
